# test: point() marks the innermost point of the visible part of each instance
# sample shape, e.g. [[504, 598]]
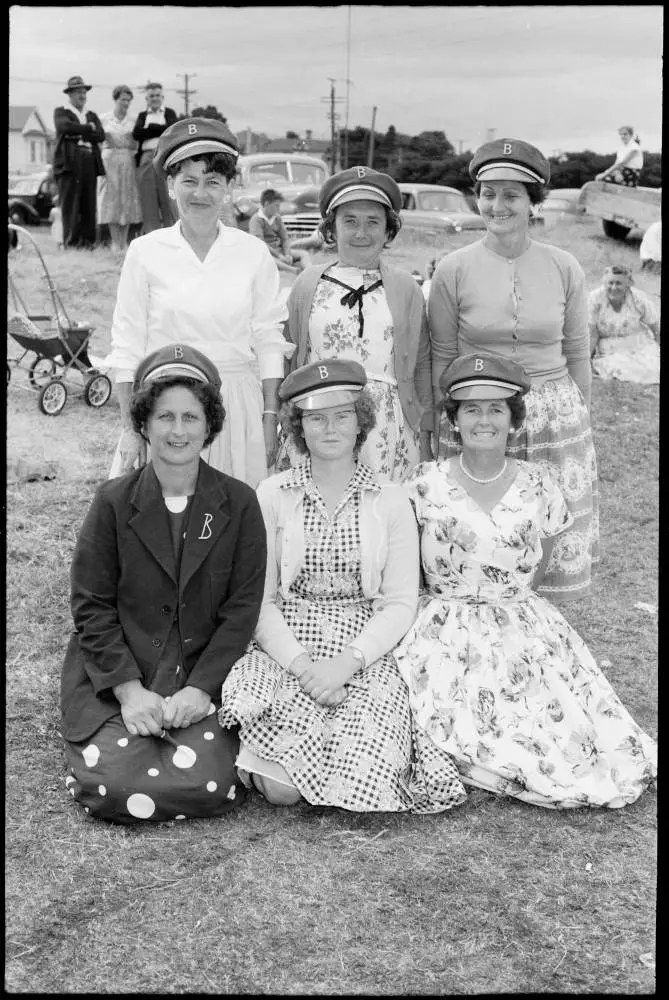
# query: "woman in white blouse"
[[629, 160], [210, 286], [118, 198]]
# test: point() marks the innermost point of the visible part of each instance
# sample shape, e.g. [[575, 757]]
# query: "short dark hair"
[[143, 403], [153, 86], [215, 163], [327, 226], [270, 195], [516, 404], [291, 421], [536, 192], [122, 89]]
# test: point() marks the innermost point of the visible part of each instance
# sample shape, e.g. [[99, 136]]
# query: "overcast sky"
[[564, 78]]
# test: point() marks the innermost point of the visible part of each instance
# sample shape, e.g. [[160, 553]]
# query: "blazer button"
[[155, 642], [165, 610]]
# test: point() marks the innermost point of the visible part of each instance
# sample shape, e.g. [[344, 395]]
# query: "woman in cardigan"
[[323, 712], [167, 582], [526, 301], [362, 309]]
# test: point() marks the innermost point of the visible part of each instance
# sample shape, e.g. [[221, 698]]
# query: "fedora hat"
[[75, 83]]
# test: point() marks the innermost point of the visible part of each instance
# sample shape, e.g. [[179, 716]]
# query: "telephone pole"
[[370, 155], [348, 87], [334, 134], [186, 93]]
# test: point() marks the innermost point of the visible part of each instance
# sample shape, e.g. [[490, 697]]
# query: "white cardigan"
[[389, 565]]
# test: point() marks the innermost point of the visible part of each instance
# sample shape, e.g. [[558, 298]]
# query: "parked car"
[[30, 198], [561, 202], [437, 207], [297, 176]]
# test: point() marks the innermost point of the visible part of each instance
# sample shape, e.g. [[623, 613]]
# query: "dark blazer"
[[142, 131], [126, 595], [68, 132]]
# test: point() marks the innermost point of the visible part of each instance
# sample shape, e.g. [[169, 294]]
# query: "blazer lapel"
[[150, 523], [207, 520]]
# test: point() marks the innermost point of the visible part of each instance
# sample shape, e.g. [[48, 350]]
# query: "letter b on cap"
[[507, 148], [361, 172], [322, 371], [478, 365], [178, 353], [192, 129]]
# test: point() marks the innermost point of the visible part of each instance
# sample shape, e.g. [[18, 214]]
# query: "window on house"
[[33, 151]]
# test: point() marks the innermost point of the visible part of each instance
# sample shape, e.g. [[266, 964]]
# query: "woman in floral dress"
[[498, 679], [365, 310], [624, 329], [118, 197], [322, 709]]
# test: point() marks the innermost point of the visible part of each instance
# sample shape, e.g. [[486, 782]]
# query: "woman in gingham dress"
[[322, 709]]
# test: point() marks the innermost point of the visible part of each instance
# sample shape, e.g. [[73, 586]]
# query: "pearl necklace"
[[469, 475]]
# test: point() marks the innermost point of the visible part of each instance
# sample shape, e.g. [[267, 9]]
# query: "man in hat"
[[77, 164], [150, 125]]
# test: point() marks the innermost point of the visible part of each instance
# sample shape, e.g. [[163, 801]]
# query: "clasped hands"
[[324, 680], [146, 713]]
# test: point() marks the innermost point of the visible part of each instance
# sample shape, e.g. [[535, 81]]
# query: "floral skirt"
[[364, 755], [124, 778], [513, 694], [635, 358], [556, 434]]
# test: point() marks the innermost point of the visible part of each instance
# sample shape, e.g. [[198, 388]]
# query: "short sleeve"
[[555, 515]]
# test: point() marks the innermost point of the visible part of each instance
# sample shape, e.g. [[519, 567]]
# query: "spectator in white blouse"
[[629, 160]]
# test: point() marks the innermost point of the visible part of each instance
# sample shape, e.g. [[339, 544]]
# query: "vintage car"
[[437, 208], [560, 203], [30, 198], [296, 176], [621, 209]]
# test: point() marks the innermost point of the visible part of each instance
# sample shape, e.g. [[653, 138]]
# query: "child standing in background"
[[56, 220]]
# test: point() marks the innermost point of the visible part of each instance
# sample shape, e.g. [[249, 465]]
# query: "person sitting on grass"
[[269, 227], [167, 582], [624, 329]]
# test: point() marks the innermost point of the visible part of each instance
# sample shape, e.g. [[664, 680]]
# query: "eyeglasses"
[[319, 421]]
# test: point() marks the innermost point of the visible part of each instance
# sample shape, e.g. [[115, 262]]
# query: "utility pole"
[[334, 134], [460, 141], [186, 93], [370, 155], [490, 134], [348, 85]]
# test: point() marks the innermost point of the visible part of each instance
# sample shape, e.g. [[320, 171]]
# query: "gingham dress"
[[362, 755]]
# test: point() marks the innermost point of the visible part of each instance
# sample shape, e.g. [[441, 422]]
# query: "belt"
[[388, 379]]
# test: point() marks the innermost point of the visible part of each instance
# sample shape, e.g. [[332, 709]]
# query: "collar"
[[147, 491], [299, 477], [171, 235], [263, 216]]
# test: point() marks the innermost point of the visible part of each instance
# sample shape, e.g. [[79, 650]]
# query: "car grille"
[[302, 224]]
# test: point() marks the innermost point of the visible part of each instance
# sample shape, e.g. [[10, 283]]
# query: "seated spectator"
[[624, 329], [269, 227], [629, 160]]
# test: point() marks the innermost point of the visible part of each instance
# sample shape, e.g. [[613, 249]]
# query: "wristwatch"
[[358, 655]]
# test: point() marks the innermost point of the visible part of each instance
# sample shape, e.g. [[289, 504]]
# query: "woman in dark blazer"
[[167, 583]]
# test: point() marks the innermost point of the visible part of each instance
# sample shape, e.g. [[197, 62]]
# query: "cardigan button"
[[165, 610], [155, 642]]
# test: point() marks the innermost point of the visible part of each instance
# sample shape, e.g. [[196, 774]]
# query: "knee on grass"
[[276, 793]]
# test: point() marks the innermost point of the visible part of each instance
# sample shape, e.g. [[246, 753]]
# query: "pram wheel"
[[52, 397], [97, 390], [41, 370]]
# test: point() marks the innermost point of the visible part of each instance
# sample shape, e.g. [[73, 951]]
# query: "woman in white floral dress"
[[497, 677], [361, 308], [323, 712]]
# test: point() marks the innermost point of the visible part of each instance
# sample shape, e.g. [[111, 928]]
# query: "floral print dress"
[[626, 345], [497, 677], [392, 447]]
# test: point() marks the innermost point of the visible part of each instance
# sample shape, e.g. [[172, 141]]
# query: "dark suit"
[[76, 169], [157, 209], [126, 595]]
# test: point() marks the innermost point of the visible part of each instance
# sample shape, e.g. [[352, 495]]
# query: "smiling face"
[[154, 98], [122, 103], [177, 428], [484, 424], [616, 286], [505, 207], [330, 433], [78, 98], [199, 195], [360, 230]]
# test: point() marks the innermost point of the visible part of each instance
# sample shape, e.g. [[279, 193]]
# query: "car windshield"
[[25, 186], [268, 173], [557, 203], [308, 173], [441, 201]]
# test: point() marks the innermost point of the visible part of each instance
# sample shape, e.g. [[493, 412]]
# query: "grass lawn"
[[493, 897]]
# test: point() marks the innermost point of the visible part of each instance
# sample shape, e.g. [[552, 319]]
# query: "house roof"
[[19, 116]]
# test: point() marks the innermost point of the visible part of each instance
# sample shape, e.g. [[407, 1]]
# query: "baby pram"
[[60, 349]]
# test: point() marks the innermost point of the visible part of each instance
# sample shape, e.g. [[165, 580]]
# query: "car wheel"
[[18, 217], [614, 229]]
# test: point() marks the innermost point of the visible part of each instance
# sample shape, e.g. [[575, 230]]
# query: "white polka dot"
[[180, 816], [86, 809], [212, 709], [69, 781], [211, 786], [123, 742], [102, 790], [208, 736], [91, 755], [141, 806], [71, 791], [184, 757], [153, 771], [233, 791]]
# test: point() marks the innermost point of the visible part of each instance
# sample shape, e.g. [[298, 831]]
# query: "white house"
[[29, 140]]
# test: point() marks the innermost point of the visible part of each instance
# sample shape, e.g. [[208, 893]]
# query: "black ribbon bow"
[[354, 297]]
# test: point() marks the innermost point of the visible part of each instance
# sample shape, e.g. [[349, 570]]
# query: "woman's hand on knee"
[[186, 707], [142, 710]]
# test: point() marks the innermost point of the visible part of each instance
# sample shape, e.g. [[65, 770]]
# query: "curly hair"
[[143, 403], [516, 405], [291, 421], [121, 89], [327, 226], [215, 163], [536, 192]]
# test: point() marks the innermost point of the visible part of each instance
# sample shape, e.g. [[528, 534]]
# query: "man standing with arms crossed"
[[156, 207], [77, 164]]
